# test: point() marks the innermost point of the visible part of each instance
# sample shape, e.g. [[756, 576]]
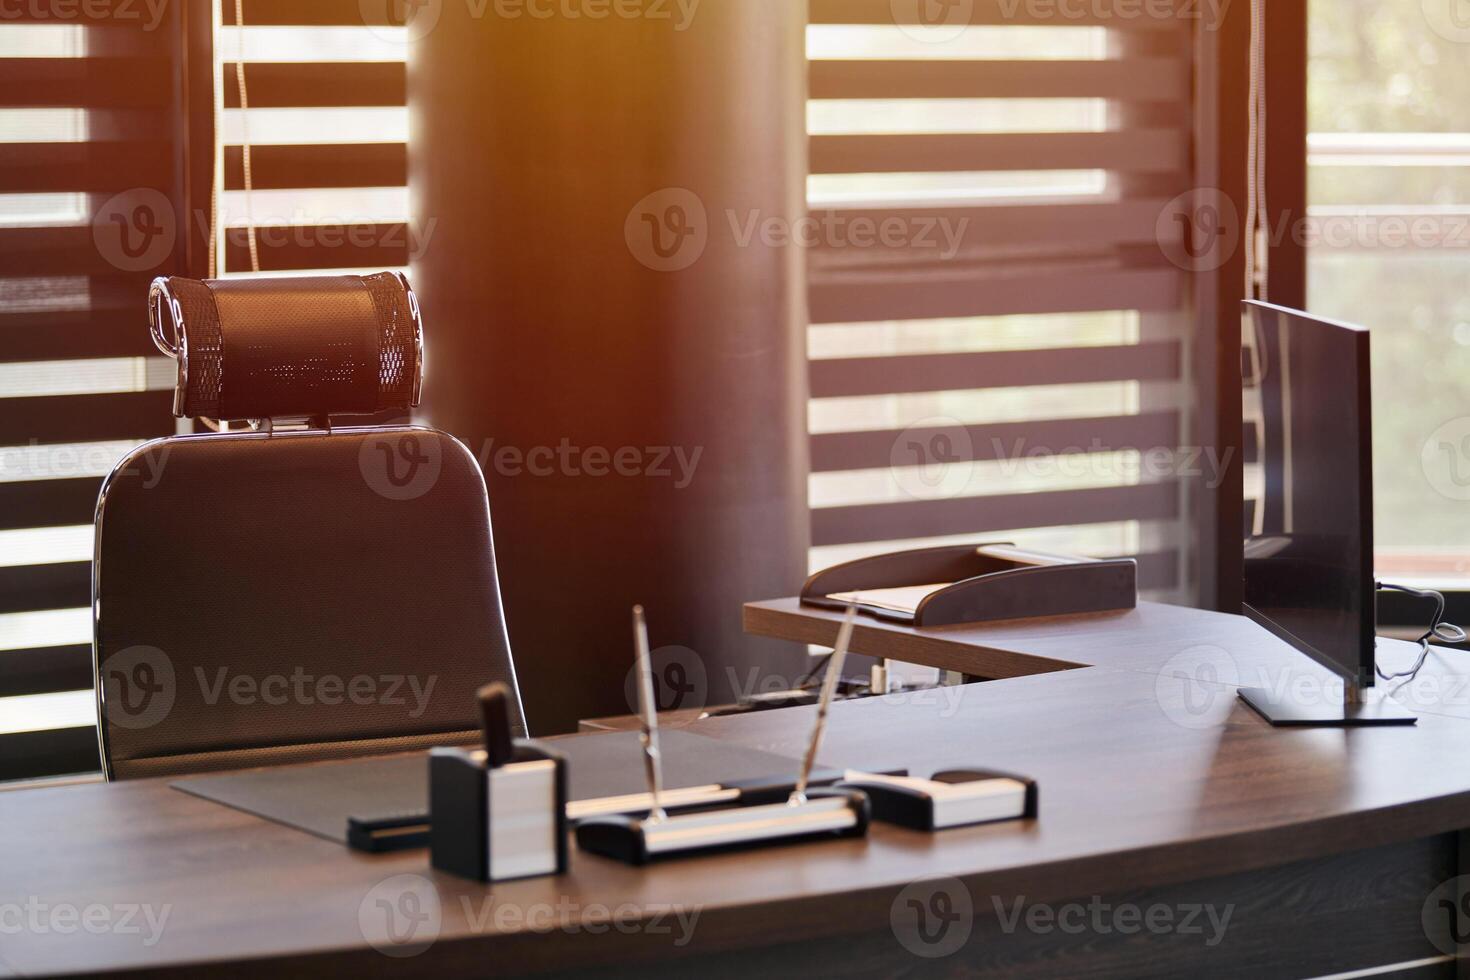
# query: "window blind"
[[1019, 373], [327, 128], [90, 192]]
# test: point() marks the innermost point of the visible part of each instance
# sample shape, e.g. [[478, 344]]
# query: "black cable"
[[809, 679], [1438, 630]]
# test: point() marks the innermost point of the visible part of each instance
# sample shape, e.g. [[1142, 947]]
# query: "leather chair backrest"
[[291, 595]]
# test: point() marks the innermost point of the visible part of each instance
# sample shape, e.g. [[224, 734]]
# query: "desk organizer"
[[498, 824], [639, 840], [952, 798], [977, 584]]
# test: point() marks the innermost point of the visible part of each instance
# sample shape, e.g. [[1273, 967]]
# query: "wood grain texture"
[[1152, 786]]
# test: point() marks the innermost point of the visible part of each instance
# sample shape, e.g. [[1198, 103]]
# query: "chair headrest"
[[290, 347]]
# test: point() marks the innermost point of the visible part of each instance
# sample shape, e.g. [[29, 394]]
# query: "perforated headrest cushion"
[[271, 348]]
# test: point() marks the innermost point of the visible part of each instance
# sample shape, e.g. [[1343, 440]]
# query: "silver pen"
[[829, 688], [648, 712]]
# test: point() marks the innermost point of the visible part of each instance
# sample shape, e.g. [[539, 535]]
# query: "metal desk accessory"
[[498, 813], [806, 812]]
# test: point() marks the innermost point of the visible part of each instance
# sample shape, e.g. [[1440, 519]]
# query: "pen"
[[648, 712], [829, 688], [495, 720]]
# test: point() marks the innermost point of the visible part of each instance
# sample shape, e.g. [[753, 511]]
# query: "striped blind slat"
[[1012, 374], [327, 125], [91, 118]]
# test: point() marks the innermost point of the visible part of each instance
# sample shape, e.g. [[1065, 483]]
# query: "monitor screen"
[[1309, 486]]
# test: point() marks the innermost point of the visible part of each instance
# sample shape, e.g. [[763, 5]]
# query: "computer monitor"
[[1307, 408]]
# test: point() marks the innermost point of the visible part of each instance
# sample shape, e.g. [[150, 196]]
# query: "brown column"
[[594, 308]]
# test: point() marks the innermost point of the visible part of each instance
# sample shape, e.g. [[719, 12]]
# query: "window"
[[89, 213], [327, 130], [1006, 361], [1388, 238]]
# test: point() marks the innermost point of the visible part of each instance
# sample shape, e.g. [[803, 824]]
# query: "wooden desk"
[[1324, 845]]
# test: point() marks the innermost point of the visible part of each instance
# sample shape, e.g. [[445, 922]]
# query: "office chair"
[[297, 590]]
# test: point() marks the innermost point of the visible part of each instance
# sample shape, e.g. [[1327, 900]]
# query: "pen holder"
[[498, 824], [638, 840]]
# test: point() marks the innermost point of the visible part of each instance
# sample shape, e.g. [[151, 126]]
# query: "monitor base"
[[1284, 712]]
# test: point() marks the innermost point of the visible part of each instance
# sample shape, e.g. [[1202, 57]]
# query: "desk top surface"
[[1150, 772]]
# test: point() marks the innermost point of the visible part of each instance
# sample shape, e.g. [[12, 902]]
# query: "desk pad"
[[318, 798]]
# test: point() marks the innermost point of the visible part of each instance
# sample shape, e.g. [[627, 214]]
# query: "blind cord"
[[245, 134]]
